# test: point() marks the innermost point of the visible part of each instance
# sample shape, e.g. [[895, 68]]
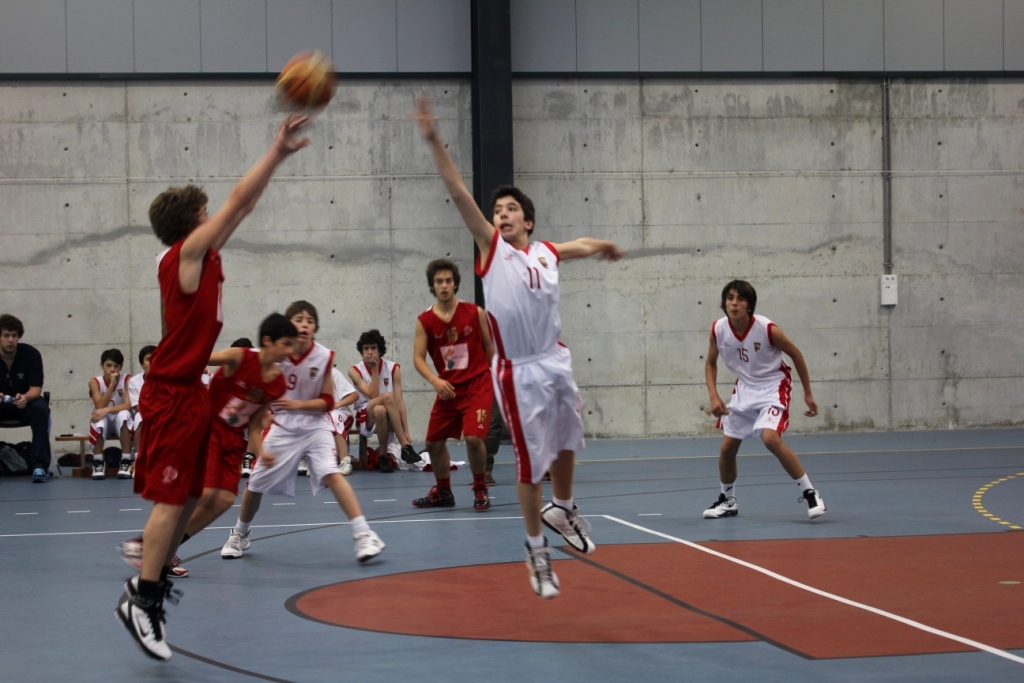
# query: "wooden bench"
[[81, 470]]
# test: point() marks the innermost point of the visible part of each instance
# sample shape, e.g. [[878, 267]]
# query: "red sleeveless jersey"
[[457, 346], [193, 321], [235, 399]]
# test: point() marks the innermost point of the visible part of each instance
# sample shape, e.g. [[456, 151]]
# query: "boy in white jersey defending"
[[752, 347], [301, 424], [380, 408], [134, 385], [111, 415], [531, 369]]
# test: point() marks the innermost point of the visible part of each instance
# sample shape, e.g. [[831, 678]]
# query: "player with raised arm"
[[531, 369], [752, 347], [301, 425], [456, 337], [171, 465]]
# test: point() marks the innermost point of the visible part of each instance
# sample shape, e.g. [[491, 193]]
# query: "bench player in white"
[[752, 347], [345, 396], [380, 408], [134, 385], [111, 416], [301, 425], [531, 369]]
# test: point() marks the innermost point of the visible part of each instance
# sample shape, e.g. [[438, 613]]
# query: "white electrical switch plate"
[[889, 290]]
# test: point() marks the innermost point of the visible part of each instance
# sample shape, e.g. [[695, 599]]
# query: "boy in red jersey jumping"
[[171, 465]]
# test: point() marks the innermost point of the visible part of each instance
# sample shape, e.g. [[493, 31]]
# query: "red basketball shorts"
[[468, 413], [224, 456], [172, 453]]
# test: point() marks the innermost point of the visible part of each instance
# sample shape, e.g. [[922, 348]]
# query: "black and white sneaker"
[[723, 507], [303, 467], [99, 467], [543, 579], [248, 460], [124, 469], [815, 503], [570, 525], [145, 620]]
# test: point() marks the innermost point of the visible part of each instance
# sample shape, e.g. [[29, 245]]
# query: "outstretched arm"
[[782, 343], [588, 246], [215, 231], [479, 226]]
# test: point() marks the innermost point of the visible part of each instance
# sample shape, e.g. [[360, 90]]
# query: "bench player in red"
[[455, 335], [531, 370], [171, 465]]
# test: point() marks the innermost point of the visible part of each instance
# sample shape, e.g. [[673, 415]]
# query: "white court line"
[[130, 510], [284, 503], [648, 514], [889, 615], [385, 500], [476, 518], [18, 514], [77, 512]]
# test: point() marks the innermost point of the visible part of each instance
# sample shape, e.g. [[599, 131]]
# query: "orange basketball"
[[307, 81]]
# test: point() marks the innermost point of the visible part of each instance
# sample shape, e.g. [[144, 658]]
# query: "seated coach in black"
[[21, 384]]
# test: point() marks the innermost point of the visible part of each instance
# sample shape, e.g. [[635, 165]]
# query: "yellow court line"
[[976, 500]]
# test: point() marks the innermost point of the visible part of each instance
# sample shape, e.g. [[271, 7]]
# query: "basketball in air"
[[307, 81]]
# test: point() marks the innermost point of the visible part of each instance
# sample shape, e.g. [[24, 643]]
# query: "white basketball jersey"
[[342, 386], [750, 354], [387, 380], [134, 388], [304, 379], [521, 291], [116, 398]]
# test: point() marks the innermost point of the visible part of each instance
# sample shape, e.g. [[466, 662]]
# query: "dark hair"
[[744, 290], [146, 351], [439, 264], [112, 354], [525, 203], [296, 307], [276, 326], [372, 337], [11, 324], [245, 342], [175, 212]]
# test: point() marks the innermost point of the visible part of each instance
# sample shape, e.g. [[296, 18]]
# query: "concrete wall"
[[775, 181]]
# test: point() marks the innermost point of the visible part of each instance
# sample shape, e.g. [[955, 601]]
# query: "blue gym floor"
[[62, 575]]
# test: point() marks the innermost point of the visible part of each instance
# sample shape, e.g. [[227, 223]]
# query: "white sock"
[[359, 525], [729, 490], [535, 541], [243, 527], [804, 483], [567, 504]]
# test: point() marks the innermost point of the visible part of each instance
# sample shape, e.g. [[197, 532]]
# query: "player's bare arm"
[[346, 400], [213, 232], [718, 408], [485, 331], [588, 246], [101, 399], [358, 382], [479, 226], [783, 343], [443, 388], [229, 359]]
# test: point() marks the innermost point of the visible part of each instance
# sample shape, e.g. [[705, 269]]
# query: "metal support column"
[[492, 104]]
